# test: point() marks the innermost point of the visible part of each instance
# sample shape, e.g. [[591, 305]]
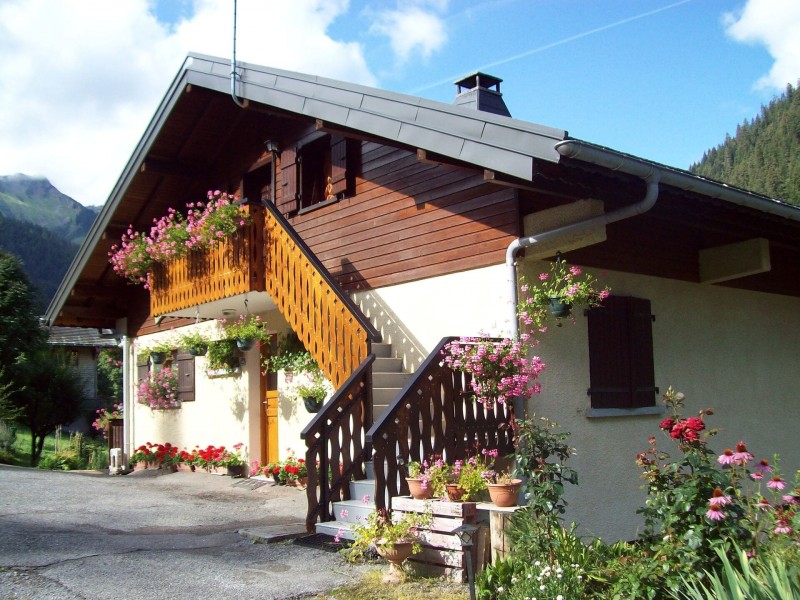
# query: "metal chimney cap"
[[478, 79]]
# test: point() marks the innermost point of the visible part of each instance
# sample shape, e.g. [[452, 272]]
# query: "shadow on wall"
[[404, 344]]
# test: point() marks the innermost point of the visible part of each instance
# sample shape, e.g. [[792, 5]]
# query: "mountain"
[[36, 200], [43, 227], [764, 155]]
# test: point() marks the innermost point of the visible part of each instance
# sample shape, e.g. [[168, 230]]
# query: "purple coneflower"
[[714, 513], [726, 458], [718, 499], [776, 483], [742, 456]]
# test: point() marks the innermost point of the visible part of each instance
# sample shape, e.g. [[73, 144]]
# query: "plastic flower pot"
[[245, 344], [312, 404], [158, 358], [559, 308]]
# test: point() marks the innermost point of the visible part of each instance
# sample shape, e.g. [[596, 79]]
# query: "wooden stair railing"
[[336, 444], [327, 321], [339, 337], [433, 414]]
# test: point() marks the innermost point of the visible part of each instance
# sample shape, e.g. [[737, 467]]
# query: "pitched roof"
[[78, 337]]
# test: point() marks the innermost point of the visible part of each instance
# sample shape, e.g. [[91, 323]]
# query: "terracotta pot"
[[454, 493], [398, 553], [504, 494], [417, 491]]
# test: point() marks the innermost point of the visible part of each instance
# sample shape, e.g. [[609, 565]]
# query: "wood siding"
[[410, 220]]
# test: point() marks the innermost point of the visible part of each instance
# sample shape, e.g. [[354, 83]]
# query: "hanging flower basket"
[[158, 358], [312, 404]]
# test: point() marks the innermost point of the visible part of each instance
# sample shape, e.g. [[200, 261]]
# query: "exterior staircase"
[[388, 378]]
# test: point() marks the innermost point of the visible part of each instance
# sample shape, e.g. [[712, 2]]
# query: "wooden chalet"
[[384, 223]]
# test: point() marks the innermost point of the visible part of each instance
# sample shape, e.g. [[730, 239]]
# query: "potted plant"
[[223, 357], [234, 461], [468, 478], [291, 357], [504, 490], [500, 368], [314, 391], [160, 390], [195, 343], [158, 352], [394, 536], [427, 479], [557, 292], [246, 330]]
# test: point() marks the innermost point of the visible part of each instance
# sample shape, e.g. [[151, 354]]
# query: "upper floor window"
[[317, 170], [621, 354]]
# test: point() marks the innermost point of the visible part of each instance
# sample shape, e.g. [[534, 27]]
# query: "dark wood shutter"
[[338, 164], [288, 202], [621, 354], [184, 365]]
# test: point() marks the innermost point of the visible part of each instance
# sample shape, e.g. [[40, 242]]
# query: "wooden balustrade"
[[336, 444], [326, 320], [434, 414], [231, 267]]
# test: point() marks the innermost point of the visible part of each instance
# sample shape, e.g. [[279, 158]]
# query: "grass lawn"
[[371, 587], [21, 450]]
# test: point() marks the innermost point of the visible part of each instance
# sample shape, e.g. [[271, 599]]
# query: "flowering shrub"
[[175, 235], [700, 503], [160, 390], [500, 368], [566, 284], [104, 416]]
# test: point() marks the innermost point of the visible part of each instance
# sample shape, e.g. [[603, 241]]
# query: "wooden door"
[[268, 393]]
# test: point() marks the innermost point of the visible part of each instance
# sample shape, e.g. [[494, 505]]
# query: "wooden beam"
[[506, 181], [91, 313], [432, 158], [733, 261]]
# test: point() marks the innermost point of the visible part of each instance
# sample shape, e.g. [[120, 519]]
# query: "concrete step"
[[387, 365], [381, 350], [344, 531], [364, 488], [389, 380], [351, 511], [384, 396]]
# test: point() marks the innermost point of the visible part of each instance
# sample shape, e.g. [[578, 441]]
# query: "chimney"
[[480, 91]]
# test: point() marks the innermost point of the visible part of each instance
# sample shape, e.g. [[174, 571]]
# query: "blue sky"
[[661, 79]]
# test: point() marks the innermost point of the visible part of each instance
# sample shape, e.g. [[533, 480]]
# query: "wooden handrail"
[[331, 326], [434, 414], [336, 444]]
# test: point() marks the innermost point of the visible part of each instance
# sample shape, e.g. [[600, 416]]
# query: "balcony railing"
[[234, 266]]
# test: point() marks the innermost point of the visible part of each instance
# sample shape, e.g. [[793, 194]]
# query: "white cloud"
[[776, 25], [79, 81], [412, 27]]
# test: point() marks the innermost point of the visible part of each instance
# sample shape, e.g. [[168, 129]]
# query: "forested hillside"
[[36, 200], [764, 155], [45, 256]]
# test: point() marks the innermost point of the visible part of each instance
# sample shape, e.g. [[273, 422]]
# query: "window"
[[621, 355], [318, 170], [182, 364]]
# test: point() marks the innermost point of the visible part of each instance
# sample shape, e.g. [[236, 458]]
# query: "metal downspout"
[[596, 156], [127, 409]]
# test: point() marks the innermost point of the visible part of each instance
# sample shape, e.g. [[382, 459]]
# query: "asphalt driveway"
[[151, 535]]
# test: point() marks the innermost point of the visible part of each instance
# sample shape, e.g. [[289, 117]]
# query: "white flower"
[[500, 590], [537, 564], [559, 597], [542, 588]]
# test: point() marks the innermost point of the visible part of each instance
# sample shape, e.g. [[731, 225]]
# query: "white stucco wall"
[[729, 349], [225, 410]]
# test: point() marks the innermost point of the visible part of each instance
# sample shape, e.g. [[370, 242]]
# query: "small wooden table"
[[499, 520]]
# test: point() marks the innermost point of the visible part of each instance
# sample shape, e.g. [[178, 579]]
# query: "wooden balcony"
[[234, 266]]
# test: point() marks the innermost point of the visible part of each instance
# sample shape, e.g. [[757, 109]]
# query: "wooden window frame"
[[621, 363], [187, 376], [310, 167]]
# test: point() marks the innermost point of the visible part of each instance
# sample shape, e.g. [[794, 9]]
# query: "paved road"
[[150, 535]]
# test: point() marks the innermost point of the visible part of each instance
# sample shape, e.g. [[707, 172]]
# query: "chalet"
[[383, 223]]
